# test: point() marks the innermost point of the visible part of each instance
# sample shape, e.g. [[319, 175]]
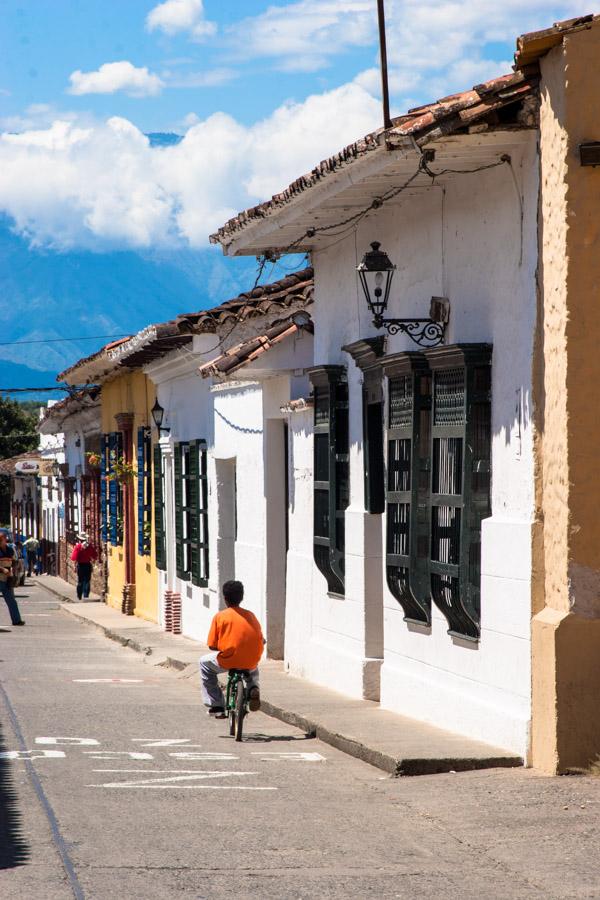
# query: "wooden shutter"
[[198, 501], [407, 486], [104, 488], [331, 473], [160, 548], [460, 480], [141, 483], [179, 552]]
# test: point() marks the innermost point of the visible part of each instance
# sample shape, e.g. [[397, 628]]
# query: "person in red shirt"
[[236, 641], [84, 555]]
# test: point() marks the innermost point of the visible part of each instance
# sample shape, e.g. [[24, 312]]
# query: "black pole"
[[385, 94]]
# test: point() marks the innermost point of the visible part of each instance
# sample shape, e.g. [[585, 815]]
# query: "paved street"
[[114, 783]]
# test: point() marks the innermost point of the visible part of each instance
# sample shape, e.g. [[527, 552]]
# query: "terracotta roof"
[[8, 466], [421, 126], [294, 289], [78, 400], [85, 360], [246, 352], [531, 46]]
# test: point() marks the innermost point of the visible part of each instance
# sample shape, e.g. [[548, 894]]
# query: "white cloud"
[[102, 185], [174, 16], [436, 47], [304, 36], [116, 76], [209, 78]]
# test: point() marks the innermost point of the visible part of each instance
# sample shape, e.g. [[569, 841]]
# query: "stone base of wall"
[[173, 612], [128, 601]]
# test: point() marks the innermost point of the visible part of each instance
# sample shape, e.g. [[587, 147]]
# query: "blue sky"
[[260, 91]]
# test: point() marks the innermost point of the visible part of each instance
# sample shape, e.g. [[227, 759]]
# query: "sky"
[[259, 92]]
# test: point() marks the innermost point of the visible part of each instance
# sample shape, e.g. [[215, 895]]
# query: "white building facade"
[[221, 477], [412, 506]]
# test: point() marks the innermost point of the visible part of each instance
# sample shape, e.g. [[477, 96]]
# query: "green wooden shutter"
[[199, 513], [179, 556], [160, 549]]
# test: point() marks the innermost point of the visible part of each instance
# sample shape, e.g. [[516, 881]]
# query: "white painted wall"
[[234, 417], [466, 243]]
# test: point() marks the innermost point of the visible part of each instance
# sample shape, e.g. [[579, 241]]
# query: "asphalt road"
[[114, 783]]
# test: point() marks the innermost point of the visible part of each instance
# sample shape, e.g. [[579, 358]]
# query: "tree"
[[17, 435]]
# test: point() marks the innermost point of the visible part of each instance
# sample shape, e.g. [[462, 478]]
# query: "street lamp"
[[55, 467], [375, 272], [157, 417]]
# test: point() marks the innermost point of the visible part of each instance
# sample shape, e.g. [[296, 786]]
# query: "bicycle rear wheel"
[[240, 709]]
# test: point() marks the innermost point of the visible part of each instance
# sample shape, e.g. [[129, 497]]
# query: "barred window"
[[144, 490], [331, 473], [191, 512]]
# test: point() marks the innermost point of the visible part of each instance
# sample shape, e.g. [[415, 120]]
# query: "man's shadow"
[[268, 738], [14, 849]]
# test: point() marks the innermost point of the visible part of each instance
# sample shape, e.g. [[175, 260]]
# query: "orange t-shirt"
[[237, 635]]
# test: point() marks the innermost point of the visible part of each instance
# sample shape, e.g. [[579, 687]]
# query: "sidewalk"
[[62, 589], [394, 743]]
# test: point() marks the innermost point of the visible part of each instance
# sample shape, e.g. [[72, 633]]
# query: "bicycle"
[[236, 701]]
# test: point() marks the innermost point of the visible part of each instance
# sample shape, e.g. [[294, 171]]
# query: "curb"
[[391, 764]]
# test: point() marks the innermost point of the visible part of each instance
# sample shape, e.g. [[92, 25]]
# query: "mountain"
[[51, 296]]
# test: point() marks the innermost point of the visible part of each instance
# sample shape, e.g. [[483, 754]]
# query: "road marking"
[[108, 680], [68, 741], [175, 781], [28, 754], [115, 754], [300, 757], [164, 742], [181, 787], [199, 756]]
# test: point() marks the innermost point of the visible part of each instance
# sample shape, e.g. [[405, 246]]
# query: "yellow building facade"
[[126, 420]]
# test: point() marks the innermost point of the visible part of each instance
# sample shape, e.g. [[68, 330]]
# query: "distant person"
[[237, 642], [32, 546], [8, 558], [84, 555]]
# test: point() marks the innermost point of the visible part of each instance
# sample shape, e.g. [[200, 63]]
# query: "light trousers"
[[212, 693]]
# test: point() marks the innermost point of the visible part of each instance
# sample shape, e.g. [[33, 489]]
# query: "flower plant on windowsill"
[[94, 460], [121, 470]]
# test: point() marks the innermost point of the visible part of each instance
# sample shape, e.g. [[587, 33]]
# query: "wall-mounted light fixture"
[[55, 467], [157, 417], [376, 271]]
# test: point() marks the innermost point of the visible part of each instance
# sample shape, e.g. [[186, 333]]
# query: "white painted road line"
[[108, 680], [175, 781], [68, 741], [266, 756], [32, 754]]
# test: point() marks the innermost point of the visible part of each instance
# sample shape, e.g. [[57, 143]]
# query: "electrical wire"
[[92, 337]]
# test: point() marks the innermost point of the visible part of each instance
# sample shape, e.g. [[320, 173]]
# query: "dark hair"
[[233, 593]]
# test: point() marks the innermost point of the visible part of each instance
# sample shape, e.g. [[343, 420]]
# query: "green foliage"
[[17, 422]]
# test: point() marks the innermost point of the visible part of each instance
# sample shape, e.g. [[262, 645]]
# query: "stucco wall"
[[464, 242], [131, 393], [566, 628]]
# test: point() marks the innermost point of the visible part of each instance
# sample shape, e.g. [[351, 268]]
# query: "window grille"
[[144, 490], [71, 510], [460, 480], [191, 512], [111, 491], [409, 410], [331, 473], [160, 542]]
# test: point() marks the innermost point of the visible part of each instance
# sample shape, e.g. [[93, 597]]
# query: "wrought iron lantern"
[[56, 470], [376, 271], [157, 417]]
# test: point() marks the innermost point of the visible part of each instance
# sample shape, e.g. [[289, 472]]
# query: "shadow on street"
[[14, 850]]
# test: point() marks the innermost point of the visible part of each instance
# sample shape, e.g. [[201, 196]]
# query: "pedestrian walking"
[[32, 546], [84, 555], [8, 558]]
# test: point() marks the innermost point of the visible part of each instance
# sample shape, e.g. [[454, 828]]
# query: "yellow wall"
[[131, 393], [566, 623]]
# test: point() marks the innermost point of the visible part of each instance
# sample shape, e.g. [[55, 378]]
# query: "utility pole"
[[385, 93]]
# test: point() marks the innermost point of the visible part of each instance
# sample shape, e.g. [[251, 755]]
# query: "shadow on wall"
[[14, 850], [516, 425]]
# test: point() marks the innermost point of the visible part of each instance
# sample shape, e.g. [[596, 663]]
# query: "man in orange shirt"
[[236, 641]]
